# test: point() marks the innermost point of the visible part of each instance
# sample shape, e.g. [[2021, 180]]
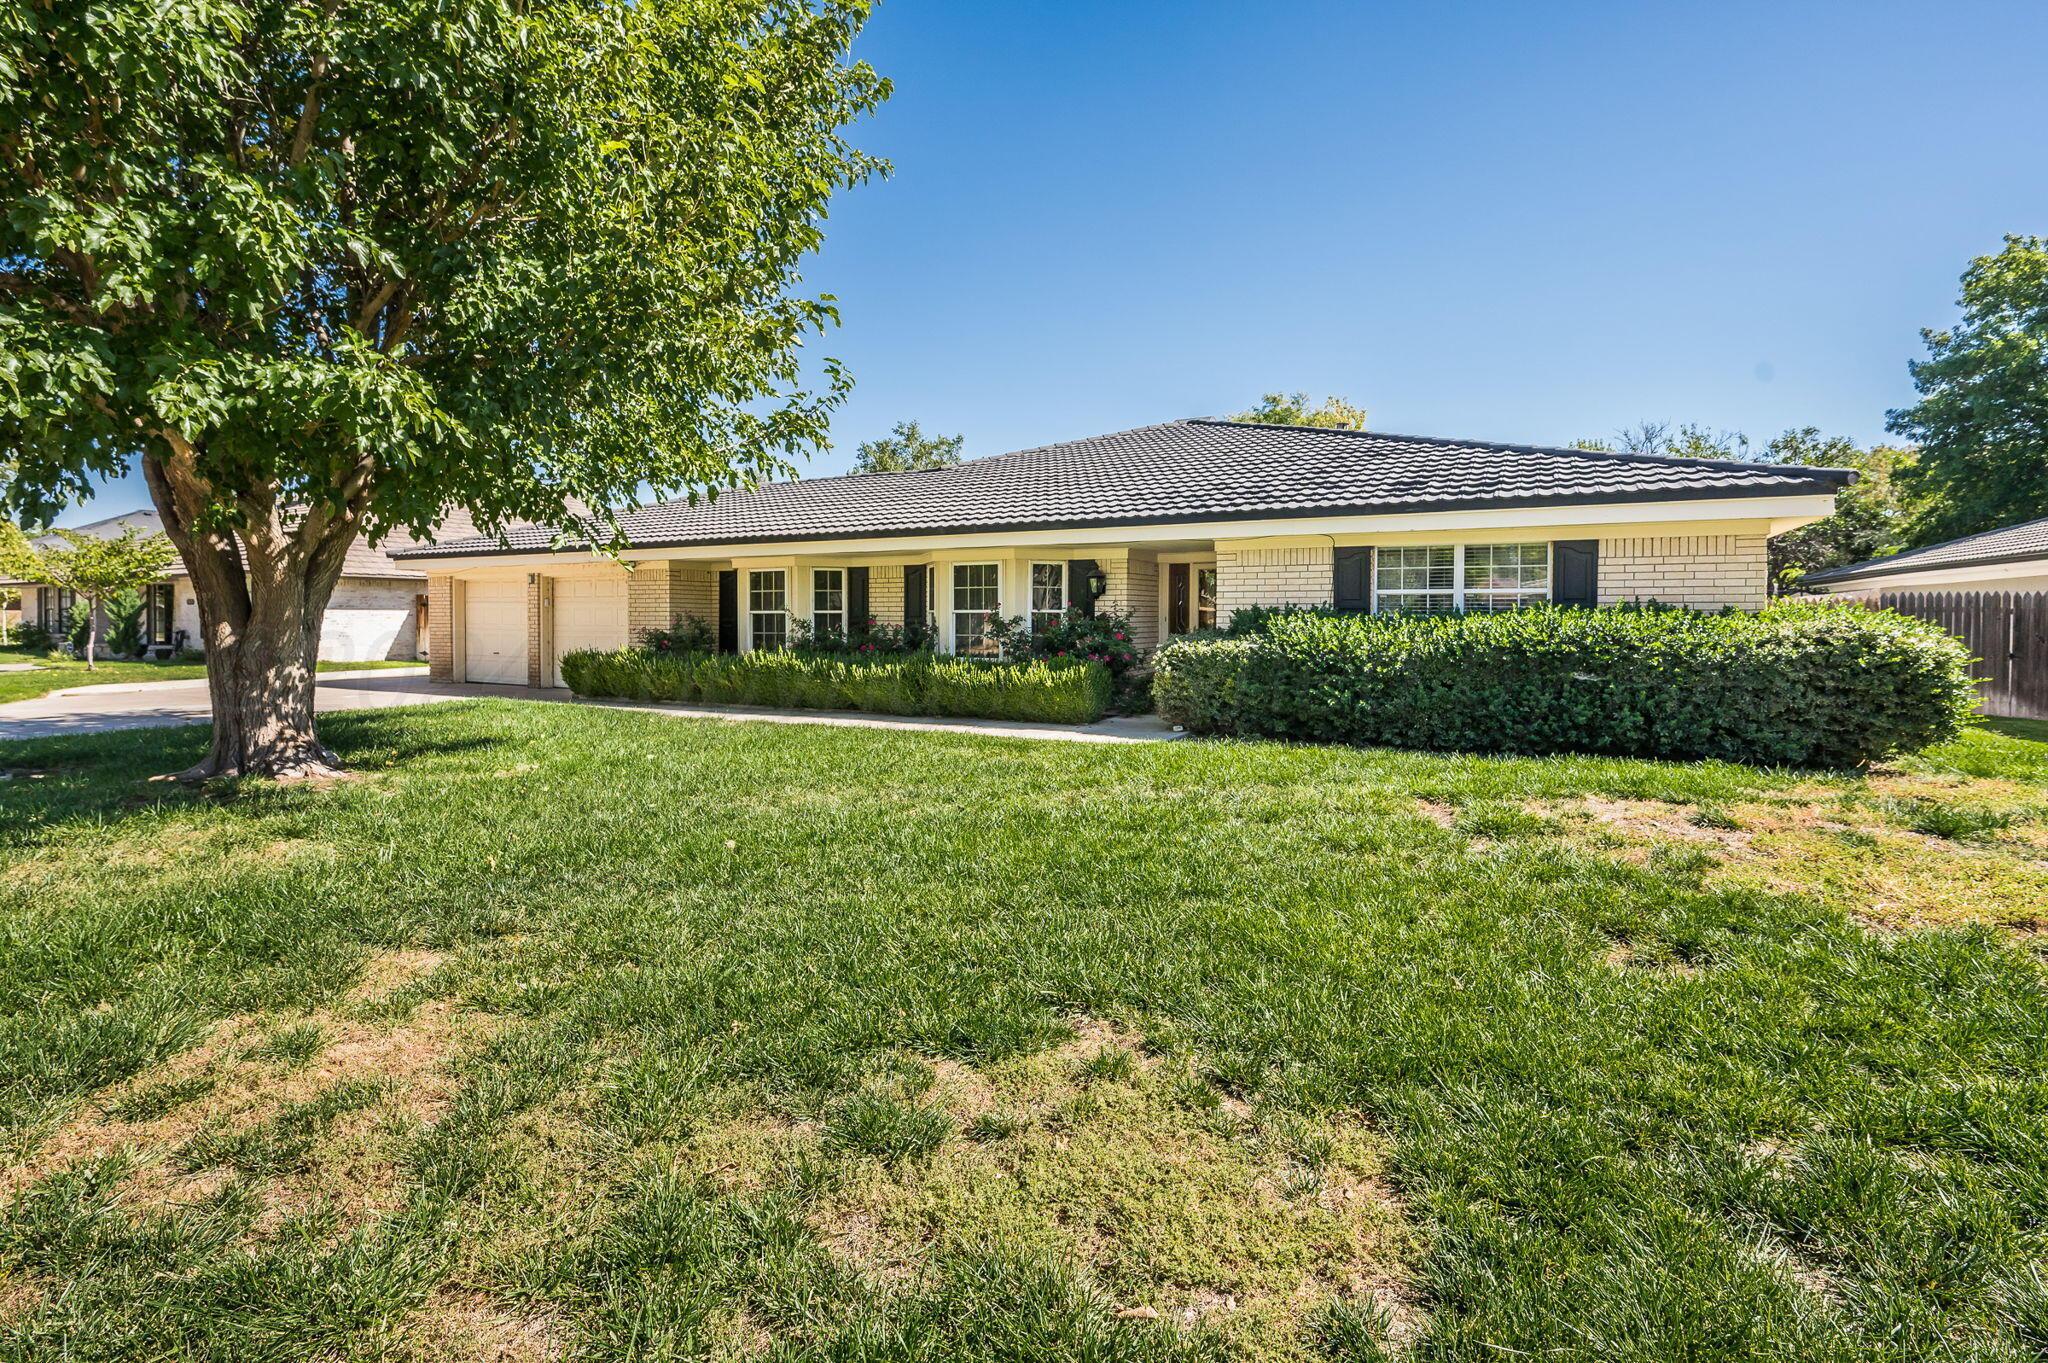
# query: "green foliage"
[[690, 634], [1803, 684], [1047, 691], [907, 449], [363, 258], [1870, 514], [124, 622], [1293, 409], [1981, 423]]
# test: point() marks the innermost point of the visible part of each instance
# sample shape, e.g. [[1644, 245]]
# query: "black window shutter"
[[1575, 573], [1079, 598], [856, 599], [1352, 588], [915, 609], [729, 610]]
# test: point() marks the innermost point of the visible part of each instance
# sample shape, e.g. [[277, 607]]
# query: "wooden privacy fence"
[[2006, 632]]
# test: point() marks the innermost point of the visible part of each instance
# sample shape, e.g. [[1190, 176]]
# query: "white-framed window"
[[768, 607], [1439, 579], [828, 603], [977, 596], [1205, 596], [1505, 577], [157, 613], [1048, 595]]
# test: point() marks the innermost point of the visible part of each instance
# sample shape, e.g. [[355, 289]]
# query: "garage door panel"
[[494, 625], [589, 613]]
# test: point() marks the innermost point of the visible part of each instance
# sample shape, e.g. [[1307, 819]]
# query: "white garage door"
[[589, 613], [494, 623]]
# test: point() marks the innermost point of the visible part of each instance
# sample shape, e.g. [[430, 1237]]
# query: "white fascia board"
[[1982, 576], [1780, 513]]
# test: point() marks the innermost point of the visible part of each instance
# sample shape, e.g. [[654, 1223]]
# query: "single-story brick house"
[[1175, 525], [376, 612], [2014, 559]]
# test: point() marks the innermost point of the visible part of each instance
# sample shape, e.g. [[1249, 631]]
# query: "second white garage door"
[[589, 613], [494, 630]]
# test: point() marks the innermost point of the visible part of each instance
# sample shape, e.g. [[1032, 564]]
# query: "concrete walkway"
[[147, 705]]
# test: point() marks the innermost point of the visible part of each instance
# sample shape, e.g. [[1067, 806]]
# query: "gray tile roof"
[[1196, 470], [2014, 542]]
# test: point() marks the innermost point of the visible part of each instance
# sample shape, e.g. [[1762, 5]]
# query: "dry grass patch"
[[461, 1326], [319, 1138], [1101, 1155], [1843, 843]]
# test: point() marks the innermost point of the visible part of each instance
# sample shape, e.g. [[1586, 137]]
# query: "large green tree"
[[906, 448], [331, 269], [1981, 423], [1294, 409]]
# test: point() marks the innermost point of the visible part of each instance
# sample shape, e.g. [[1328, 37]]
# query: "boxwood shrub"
[[1799, 683], [1055, 691]]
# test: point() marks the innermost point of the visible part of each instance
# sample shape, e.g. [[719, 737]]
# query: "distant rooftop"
[[2012, 544]]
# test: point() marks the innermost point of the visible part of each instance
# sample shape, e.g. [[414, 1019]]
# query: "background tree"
[[96, 568], [327, 270], [1661, 437], [1293, 409], [1871, 513], [1982, 420], [906, 448]]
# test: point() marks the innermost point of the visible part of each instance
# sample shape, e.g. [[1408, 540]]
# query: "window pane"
[[1048, 595], [975, 587], [828, 589], [768, 591], [1416, 578], [1502, 577], [1205, 598]]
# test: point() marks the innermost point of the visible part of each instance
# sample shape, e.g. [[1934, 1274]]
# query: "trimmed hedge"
[[1799, 683], [1052, 691]]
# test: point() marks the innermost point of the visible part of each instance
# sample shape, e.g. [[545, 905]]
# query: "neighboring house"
[[2014, 559], [1175, 525], [376, 612]]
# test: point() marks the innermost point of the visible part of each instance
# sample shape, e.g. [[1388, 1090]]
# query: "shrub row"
[[1055, 691], [1799, 683]]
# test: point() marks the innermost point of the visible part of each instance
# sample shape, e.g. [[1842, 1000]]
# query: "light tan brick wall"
[[441, 628], [650, 598], [1132, 590], [1705, 572], [696, 593], [885, 593], [1297, 575]]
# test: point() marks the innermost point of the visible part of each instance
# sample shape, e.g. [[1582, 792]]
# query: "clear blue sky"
[[1511, 220]]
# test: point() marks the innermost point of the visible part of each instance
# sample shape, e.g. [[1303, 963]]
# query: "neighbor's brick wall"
[[441, 628], [885, 593], [1705, 572], [1300, 575]]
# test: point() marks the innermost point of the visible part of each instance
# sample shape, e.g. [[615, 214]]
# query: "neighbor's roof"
[[364, 560], [1196, 470], [2014, 543]]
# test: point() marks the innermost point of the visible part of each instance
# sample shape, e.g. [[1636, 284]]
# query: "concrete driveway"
[[149, 705]]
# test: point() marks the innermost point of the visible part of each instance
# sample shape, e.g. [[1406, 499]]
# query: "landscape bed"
[[1053, 691], [583, 1033]]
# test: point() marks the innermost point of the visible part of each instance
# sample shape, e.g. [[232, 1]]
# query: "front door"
[[1190, 597], [729, 610]]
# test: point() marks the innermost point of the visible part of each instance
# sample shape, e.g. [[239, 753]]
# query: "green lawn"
[[57, 674], [576, 1032]]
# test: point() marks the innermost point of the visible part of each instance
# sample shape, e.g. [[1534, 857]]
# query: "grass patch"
[[727, 1040]]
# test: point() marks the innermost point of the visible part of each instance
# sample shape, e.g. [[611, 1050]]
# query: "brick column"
[[441, 628]]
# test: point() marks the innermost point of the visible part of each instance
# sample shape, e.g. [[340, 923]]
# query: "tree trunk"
[[260, 611]]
